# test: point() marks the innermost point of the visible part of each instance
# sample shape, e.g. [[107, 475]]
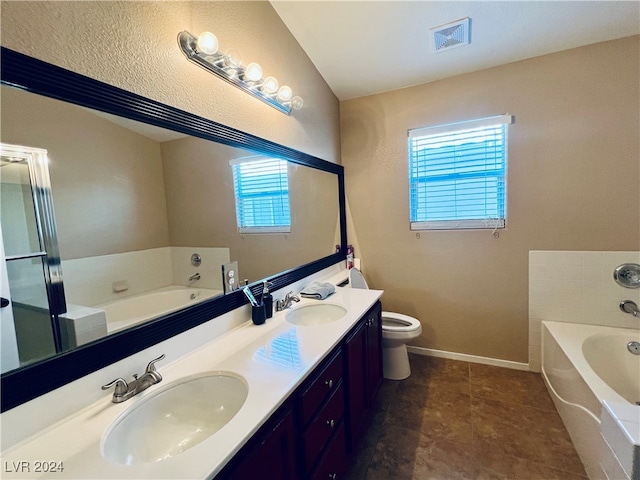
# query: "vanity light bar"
[[203, 50]]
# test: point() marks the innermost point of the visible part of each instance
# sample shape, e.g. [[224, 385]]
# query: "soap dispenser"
[[267, 299]]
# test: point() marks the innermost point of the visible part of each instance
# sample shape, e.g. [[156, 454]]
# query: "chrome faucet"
[[286, 302], [124, 391], [194, 277], [628, 306]]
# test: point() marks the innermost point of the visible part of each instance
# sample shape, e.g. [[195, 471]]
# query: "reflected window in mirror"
[[261, 187]]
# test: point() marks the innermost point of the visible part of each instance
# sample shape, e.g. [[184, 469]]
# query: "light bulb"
[[285, 93], [207, 43], [232, 58], [253, 72], [297, 103], [270, 85]]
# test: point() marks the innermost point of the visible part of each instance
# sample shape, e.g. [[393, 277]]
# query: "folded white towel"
[[318, 290]]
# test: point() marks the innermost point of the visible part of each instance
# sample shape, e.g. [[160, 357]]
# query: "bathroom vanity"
[[311, 434], [309, 388]]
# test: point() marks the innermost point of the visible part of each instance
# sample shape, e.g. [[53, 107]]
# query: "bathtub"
[[595, 383], [139, 308]]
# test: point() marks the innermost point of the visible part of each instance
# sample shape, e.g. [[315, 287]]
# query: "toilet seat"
[[356, 279], [397, 322]]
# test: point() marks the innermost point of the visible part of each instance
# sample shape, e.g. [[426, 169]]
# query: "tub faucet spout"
[[194, 277], [629, 306]]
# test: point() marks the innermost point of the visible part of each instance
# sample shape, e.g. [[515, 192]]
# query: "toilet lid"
[[397, 322], [356, 280]]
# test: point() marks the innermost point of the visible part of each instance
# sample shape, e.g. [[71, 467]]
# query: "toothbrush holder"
[[258, 314]]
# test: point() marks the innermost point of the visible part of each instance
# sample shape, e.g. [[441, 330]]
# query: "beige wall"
[[107, 182], [573, 184], [133, 45], [202, 212]]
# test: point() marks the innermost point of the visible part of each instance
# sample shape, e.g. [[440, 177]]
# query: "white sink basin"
[[316, 314], [175, 419]]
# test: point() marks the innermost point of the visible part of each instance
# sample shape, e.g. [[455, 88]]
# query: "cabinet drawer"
[[322, 428], [334, 462], [320, 387]]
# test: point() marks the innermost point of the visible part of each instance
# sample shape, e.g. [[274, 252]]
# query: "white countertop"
[[75, 441]]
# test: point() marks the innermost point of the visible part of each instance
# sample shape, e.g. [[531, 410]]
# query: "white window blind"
[[262, 195], [457, 174]]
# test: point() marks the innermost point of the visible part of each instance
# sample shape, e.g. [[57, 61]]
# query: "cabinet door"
[[374, 352], [355, 349], [271, 455]]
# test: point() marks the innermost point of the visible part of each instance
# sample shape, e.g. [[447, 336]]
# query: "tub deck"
[[139, 308]]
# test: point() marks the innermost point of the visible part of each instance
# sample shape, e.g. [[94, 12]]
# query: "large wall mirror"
[[145, 213]]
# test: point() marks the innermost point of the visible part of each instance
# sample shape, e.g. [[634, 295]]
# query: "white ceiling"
[[367, 47]]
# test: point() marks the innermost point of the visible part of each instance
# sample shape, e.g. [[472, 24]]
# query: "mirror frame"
[[42, 78]]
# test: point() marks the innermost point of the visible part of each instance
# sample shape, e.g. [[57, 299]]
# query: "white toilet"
[[397, 331]]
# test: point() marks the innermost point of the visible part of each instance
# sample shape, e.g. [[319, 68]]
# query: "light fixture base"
[[235, 76]]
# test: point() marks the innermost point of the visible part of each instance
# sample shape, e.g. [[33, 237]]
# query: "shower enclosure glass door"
[[34, 295]]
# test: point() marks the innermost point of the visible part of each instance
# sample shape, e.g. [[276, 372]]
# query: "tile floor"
[[459, 420]]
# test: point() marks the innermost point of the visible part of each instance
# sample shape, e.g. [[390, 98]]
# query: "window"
[[457, 175], [262, 195]]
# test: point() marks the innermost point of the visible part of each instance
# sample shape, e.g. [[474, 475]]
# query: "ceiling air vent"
[[451, 35]]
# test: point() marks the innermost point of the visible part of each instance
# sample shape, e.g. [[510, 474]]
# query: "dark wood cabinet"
[[320, 432], [355, 348], [321, 405], [315, 391], [363, 367], [333, 464], [312, 433], [373, 321], [269, 454]]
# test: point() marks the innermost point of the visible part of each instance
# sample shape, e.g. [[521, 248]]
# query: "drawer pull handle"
[[331, 424], [329, 383]]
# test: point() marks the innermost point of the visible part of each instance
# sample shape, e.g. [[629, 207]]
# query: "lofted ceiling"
[[367, 47]]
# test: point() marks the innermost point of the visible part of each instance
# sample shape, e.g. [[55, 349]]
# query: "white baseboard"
[[496, 362]]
